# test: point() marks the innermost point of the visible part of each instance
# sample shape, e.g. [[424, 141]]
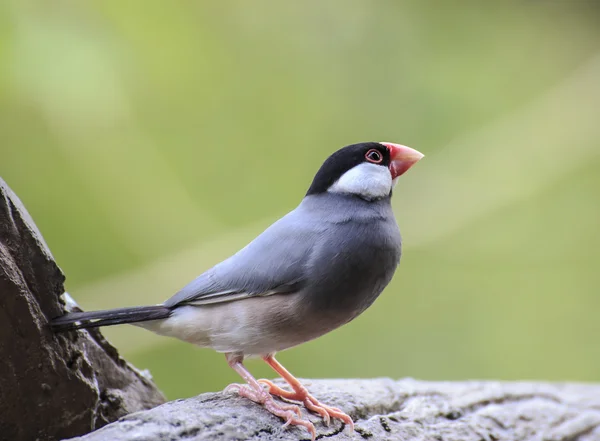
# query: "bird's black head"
[[367, 170]]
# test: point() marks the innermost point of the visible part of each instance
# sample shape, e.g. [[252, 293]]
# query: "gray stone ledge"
[[384, 409]]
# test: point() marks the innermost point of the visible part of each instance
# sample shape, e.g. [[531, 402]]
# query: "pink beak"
[[401, 158]]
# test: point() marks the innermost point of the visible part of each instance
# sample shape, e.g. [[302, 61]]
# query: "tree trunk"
[[52, 386]]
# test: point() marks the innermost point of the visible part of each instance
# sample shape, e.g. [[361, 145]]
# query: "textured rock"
[[52, 387], [384, 410]]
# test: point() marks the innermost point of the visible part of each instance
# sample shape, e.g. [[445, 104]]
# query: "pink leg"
[[300, 393], [255, 392]]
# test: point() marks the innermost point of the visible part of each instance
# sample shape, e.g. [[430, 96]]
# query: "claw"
[[300, 393], [290, 413], [310, 402]]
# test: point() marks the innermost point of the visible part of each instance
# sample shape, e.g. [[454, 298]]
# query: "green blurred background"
[[151, 139]]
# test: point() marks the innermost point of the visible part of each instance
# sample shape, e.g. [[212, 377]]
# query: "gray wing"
[[273, 263]]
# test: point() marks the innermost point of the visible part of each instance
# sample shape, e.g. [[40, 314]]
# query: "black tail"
[[93, 319]]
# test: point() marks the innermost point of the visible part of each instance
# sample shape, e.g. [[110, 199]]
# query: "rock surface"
[[384, 410], [52, 386]]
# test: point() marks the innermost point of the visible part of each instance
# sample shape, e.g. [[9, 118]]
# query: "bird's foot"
[[311, 403], [290, 413]]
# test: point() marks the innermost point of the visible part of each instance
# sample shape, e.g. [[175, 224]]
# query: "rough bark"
[[52, 386], [384, 410]]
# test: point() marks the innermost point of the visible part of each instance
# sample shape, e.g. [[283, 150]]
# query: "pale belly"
[[252, 327]]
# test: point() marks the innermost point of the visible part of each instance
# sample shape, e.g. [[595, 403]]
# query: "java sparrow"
[[313, 270]]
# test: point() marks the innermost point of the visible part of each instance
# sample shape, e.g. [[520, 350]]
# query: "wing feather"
[[273, 263]]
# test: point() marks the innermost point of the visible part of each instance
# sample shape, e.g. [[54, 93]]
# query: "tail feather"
[[94, 319]]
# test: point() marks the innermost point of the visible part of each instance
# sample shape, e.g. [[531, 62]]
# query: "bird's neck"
[[346, 207]]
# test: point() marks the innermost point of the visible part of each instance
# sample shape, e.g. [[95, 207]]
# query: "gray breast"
[[355, 259]]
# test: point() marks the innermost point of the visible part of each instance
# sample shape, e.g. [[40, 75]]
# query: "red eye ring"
[[374, 156]]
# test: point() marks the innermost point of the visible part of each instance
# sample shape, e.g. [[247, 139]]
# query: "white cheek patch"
[[369, 181]]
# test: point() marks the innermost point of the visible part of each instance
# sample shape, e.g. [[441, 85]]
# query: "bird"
[[310, 272]]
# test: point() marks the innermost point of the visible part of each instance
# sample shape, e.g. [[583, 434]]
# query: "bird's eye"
[[374, 156]]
